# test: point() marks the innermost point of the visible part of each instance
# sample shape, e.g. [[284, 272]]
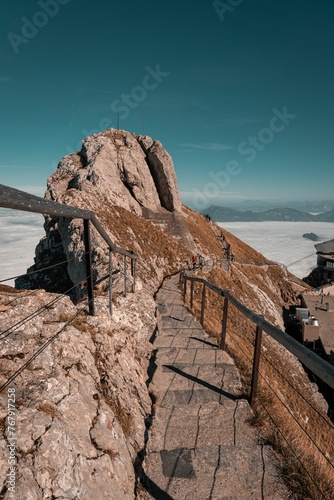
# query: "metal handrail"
[[20, 200], [320, 367]]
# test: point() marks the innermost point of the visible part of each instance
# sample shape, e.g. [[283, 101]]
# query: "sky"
[[239, 92]]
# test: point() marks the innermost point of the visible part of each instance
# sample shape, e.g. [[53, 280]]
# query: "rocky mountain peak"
[[128, 170], [114, 171]]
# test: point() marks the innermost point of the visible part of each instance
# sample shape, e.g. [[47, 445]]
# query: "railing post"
[[133, 272], [184, 287], [203, 305], [125, 284], [110, 281], [191, 294], [88, 254], [256, 365], [224, 324]]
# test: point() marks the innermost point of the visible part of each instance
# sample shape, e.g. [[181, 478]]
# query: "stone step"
[[201, 425], [212, 472], [170, 222]]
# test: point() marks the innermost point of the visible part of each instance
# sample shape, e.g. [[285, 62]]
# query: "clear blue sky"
[[240, 92]]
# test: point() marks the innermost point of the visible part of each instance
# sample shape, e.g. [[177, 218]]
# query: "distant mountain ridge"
[[315, 206], [225, 214]]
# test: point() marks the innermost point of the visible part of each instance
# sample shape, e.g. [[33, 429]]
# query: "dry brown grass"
[[122, 415], [81, 324], [285, 411], [158, 252], [203, 233], [112, 454], [50, 410]]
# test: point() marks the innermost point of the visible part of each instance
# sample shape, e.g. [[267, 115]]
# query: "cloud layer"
[[19, 234], [283, 241]]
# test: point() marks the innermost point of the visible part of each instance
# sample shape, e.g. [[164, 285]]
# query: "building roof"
[[328, 256], [316, 306], [325, 247]]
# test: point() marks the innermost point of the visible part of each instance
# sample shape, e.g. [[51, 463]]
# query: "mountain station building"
[[325, 261], [316, 320]]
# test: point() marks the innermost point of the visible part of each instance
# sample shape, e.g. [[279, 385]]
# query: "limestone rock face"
[[129, 171], [161, 167], [81, 405]]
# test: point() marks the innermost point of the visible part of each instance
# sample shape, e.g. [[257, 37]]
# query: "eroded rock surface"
[[128, 170], [81, 405]]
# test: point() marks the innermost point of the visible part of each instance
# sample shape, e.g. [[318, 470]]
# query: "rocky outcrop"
[[113, 169], [127, 170], [82, 404], [160, 164]]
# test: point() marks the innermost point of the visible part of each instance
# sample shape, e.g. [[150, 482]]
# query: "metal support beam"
[[203, 305], [133, 272], [224, 324], [89, 271], [256, 365], [191, 294], [125, 277], [110, 281]]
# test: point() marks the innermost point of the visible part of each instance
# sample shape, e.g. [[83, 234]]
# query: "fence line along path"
[[200, 445]]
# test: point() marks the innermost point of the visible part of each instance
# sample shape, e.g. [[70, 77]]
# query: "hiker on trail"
[[201, 261], [194, 261]]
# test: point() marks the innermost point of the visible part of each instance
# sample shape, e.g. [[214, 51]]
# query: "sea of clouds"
[[283, 241], [19, 234], [278, 241]]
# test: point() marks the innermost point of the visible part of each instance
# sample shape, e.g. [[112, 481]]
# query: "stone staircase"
[[200, 445], [172, 223]]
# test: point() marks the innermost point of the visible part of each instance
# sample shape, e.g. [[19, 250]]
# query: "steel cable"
[[41, 270], [297, 392], [292, 450], [36, 354], [294, 418], [38, 311]]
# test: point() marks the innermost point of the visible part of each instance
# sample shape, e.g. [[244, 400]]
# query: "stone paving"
[[200, 445]]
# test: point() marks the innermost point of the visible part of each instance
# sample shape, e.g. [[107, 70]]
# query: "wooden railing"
[[317, 365]]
